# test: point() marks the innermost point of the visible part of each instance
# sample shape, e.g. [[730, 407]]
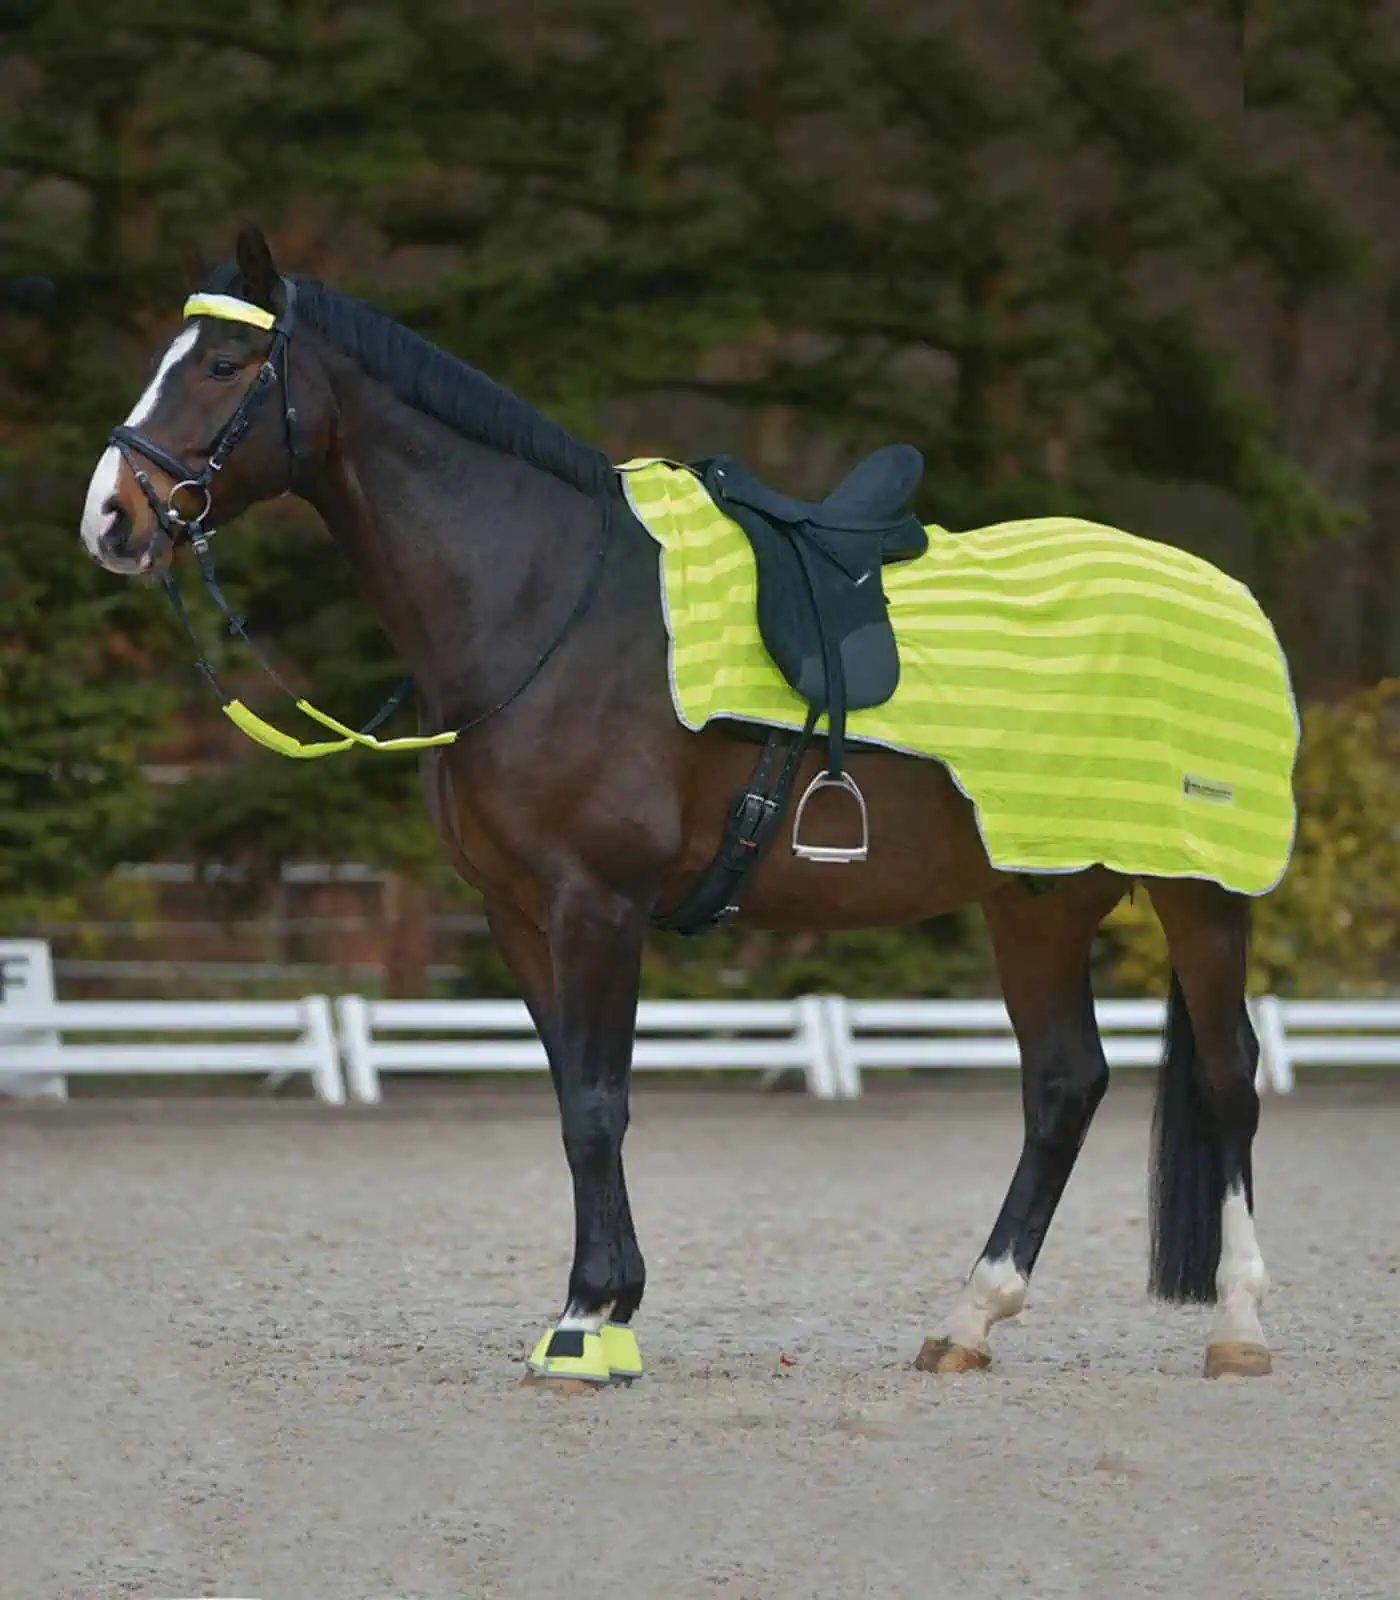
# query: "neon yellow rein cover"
[[286, 745]]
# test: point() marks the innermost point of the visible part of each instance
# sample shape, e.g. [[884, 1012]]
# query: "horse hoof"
[[1235, 1358], [942, 1355]]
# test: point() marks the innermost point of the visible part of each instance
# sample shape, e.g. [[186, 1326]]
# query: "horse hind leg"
[[1204, 1246], [1042, 949]]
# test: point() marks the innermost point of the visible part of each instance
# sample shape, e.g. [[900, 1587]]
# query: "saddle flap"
[[822, 612], [799, 625]]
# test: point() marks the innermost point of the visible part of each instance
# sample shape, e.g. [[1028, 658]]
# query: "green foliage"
[[1326, 61], [794, 230], [946, 956], [75, 706]]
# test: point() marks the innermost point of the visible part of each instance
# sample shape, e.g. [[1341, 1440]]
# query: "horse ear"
[[255, 263]]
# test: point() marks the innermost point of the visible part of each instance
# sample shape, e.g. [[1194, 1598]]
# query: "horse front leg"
[[595, 940], [525, 950]]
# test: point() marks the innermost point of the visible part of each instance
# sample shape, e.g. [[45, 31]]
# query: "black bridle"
[[179, 529], [275, 372]]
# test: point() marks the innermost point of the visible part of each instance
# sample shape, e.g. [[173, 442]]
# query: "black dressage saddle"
[[822, 611]]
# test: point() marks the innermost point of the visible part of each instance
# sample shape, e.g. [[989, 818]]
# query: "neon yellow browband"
[[229, 308], [286, 745]]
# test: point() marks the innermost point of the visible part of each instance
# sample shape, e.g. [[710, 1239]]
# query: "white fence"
[[303, 1040], [830, 1040], [1325, 1033], [827, 1038], [672, 1036]]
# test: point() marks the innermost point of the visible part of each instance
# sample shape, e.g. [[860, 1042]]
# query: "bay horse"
[[500, 558]]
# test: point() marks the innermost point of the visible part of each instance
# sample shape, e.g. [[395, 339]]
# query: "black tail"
[[1188, 1170]]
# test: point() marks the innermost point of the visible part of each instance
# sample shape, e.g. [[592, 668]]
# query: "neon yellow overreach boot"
[[570, 1353]]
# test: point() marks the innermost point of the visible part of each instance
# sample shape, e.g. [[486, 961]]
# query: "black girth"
[[755, 814]]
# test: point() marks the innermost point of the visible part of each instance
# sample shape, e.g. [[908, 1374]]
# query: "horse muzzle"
[[119, 549]]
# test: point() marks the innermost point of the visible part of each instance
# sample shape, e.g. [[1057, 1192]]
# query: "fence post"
[[1275, 1063], [841, 1042], [812, 1031], [26, 980], [352, 1024], [325, 1069]]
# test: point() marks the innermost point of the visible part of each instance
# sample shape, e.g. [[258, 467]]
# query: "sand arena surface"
[[272, 1350]]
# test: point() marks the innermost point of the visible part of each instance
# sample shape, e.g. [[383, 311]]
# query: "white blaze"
[[103, 483]]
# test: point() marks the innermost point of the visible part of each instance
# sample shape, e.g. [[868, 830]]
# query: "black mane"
[[438, 384]]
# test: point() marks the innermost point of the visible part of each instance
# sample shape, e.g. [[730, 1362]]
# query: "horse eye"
[[223, 369]]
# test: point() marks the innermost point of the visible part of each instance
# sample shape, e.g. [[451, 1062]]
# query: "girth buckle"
[[834, 853]]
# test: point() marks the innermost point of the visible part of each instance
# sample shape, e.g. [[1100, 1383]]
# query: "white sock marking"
[[103, 483], [994, 1289], [1241, 1279], [575, 1319]]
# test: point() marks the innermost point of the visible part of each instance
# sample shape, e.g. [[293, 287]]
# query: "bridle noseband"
[[131, 442]]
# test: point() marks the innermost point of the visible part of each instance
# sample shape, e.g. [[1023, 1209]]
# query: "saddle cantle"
[[822, 612]]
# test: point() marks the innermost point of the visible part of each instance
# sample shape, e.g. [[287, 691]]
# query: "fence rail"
[[346, 1049], [181, 1037], [672, 1036]]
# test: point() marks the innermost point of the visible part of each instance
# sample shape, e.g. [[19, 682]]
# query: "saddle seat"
[[872, 497], [822, 611]]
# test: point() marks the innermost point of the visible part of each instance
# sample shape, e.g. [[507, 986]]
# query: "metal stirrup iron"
[[832, 852]]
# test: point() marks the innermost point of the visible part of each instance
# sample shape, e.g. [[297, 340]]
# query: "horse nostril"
[[117, 533]]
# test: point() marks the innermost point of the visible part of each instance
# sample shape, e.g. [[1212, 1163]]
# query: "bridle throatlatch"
[[197, 532]]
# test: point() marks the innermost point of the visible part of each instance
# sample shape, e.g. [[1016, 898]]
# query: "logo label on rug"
[[1223, 794]]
